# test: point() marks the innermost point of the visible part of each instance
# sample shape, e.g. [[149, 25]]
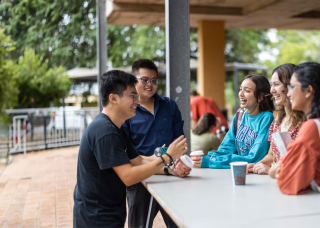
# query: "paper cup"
[[187, 161], [238, 172], [197, 153]]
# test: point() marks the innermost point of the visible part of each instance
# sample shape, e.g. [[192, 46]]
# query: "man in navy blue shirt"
[[157, 122], [108, 162]]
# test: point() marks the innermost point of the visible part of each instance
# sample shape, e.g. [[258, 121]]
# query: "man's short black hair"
[[194, 92], [115, 81], [143, 63]]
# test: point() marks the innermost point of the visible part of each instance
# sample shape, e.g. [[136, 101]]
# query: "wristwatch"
[[158, 152], [166, 170]]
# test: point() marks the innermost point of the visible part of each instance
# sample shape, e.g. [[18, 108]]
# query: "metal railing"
[[36, 129]]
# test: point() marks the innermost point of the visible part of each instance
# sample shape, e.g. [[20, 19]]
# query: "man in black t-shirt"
[[107, 161]]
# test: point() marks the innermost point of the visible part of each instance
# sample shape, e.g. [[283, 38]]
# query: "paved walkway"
[[36, 190]]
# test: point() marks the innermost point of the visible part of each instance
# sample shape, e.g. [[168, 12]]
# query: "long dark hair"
[[285, 72], [262, 90], [204, 123], [308, 74]]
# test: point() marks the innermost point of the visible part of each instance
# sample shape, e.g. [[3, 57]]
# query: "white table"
[[207, 198]]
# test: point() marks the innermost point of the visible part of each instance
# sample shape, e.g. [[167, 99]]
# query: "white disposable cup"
[[197, 153], [232, 165], [187, 161]]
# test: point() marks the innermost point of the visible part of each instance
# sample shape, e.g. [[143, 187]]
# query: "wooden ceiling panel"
[[223, 3], [161, 2], [219, 3], [155, 19], [257, 14]]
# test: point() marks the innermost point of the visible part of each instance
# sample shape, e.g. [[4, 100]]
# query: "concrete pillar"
[[211, 60], [178, 58]]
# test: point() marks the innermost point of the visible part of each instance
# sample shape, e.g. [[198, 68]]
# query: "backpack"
[[313, 183], [239, 117]]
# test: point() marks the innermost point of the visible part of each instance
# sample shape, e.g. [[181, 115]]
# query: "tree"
[[38, 84], [129, 43], [8, 90], [244, 45], [62, 32], [295, 46]]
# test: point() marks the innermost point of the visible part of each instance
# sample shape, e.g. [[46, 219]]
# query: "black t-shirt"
[[100, 195]]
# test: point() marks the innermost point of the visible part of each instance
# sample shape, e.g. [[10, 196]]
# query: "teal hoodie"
[[250, 144]]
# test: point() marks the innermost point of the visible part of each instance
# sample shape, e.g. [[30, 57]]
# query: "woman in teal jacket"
[[250, 141]]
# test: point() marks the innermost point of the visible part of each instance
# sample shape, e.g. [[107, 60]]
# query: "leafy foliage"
[[129, 43], [295, 46], [62, 32], [8, 91], [243, 45], [35, 80]]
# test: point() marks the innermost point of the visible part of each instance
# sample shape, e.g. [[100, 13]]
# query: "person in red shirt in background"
[[201, 105], [298, 170]]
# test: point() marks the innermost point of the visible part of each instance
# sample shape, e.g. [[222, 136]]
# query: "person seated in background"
[[200, 105], [201, 136], [286, 119], [298, 170], [246, 140]]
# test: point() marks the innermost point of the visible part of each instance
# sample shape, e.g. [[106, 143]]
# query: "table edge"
[[172, 215]]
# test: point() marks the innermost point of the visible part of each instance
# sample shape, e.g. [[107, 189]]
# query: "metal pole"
[[236, 88], [101, 41], [14, 133], [32, 127], [19, 133], [25, 137], [45, 130], [178, 57], [64, 117]]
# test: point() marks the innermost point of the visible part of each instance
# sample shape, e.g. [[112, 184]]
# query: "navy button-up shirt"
[[147, 131]]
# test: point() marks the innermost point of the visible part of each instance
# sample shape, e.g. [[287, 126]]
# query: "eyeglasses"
[[291, 87], [145, 80], [135, 97]]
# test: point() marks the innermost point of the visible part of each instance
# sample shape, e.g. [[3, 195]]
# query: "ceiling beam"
[[156, 8], [258, 5], [205, 10]]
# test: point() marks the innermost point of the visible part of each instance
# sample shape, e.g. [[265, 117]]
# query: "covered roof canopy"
[[254, 14]]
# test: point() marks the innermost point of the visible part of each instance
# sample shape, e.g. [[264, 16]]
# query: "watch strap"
[[166, 171]]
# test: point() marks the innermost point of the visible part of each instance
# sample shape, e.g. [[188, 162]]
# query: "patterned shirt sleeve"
[[271, 131]]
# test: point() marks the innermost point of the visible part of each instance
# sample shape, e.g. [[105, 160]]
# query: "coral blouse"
[[293, 132], [301, 164]]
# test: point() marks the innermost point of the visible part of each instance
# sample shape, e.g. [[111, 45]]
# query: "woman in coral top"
[[285, 119], [299, 169]]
